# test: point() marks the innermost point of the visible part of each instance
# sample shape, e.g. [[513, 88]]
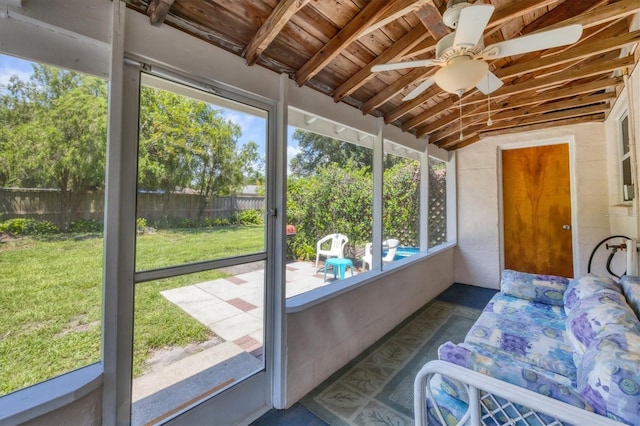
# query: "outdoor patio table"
[[338, 264]]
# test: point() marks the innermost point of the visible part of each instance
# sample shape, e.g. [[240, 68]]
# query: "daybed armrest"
[[486, 391]]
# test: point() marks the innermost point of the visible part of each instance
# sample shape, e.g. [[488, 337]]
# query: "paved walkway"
[[233, 309]]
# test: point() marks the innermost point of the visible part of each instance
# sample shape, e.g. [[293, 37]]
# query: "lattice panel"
[[498, 411]]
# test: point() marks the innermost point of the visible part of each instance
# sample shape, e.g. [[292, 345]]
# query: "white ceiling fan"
[[462, 55]]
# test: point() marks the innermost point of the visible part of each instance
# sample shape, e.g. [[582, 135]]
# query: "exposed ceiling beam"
[[525, 128], [532, 98], [519, 111], [399, 48], [407, 106], [560, 13], [611, 12], [158, 11], [431, 18], [601, 45], [556, 123], [541, 118], [271, 28], [398, 10], [393, 89], [531, 84], [350, 32]]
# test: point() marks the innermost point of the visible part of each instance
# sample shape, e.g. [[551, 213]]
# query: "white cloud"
[[243, 120], [10, 66], [6, 73]]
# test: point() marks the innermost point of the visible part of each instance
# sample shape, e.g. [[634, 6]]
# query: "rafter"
[[533, 97], [611, 12], [560, 14], [397, 10], [349, 33], [526, 110], [392, 90], [158, 11], [524, 128], [399, 48], [531, 84], [407, 106], [431, 18], [541, 118], [605, 43], [547, 125], [271, 28]]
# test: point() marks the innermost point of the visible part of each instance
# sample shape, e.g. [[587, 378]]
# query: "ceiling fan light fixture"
[[461, 74]]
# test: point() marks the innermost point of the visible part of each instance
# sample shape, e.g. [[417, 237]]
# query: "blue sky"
[[253, 128]]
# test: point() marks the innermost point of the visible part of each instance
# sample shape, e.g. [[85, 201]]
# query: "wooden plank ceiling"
[[331, 45]]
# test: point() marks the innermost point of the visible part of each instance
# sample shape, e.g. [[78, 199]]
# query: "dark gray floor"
[[297, 415]]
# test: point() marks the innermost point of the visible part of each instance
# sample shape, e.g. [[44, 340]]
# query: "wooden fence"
[[44, 204]]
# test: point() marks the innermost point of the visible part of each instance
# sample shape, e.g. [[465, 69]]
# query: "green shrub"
[[21, 226], [83, 226], [216, 222], [250, 217], [189, 223], [141, 223]]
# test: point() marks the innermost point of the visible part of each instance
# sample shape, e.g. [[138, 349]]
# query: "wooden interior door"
[[537, 210]]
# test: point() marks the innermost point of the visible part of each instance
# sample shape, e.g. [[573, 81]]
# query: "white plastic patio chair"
[[338, 241], [391, 245]]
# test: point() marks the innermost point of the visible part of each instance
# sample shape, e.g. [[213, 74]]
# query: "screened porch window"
[[627, 180]]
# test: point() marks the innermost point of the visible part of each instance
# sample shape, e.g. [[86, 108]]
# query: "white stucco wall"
[[478, 254], [323, 338]]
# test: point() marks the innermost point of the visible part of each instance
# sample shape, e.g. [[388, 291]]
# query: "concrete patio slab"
[[159, 394]]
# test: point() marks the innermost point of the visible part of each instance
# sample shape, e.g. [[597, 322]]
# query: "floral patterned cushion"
[[501, 365], [591, 318], [586, 287], [609, 376], [548, 289], [538, 344], [631, 288], [525, 311]]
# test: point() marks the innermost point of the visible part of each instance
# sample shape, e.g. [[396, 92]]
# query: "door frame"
[[252, 396], [570, 141]]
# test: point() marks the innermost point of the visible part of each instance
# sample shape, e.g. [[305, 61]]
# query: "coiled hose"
[[609, 259]]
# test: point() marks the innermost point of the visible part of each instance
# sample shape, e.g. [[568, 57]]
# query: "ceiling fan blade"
[[471, 24], [403, 65], [419, 89], [538, 41], [489, 83]]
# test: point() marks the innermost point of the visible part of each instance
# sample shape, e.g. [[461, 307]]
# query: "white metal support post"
[[119, 230], [378, 179], [279, 393], [424, 200]]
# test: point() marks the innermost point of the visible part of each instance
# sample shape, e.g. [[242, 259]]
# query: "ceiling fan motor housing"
[[445, 50], [451, 16]]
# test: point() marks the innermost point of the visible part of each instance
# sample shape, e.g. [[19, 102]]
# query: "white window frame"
[[32, 37], [626, 195]]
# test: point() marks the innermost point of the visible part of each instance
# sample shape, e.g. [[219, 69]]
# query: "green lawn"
[[51, 298]]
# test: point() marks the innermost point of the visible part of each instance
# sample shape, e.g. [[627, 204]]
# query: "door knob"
[[566, 227]]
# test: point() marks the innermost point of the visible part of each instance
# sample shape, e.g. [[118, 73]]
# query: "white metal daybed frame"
[[482, 388]]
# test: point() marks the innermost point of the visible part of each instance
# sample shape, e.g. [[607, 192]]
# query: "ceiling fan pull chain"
[[460, 107], [489, 121]]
